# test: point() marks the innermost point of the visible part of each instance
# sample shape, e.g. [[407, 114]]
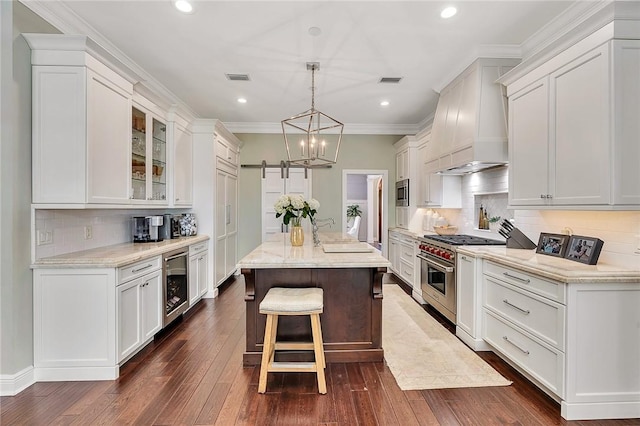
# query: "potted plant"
[[353, 211]]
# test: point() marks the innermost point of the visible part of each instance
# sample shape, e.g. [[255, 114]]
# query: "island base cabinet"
[[351, 321], [74, 325]]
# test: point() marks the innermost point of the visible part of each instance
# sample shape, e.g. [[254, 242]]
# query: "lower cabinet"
[[469, 301], [139, 303], [577, 341], [198, 272]]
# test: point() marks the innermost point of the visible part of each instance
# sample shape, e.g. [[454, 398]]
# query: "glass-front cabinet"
[[148, 157]]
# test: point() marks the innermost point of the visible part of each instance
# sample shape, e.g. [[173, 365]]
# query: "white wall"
[[16, 286]]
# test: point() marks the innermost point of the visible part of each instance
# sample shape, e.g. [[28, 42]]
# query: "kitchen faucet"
[[315, 226]]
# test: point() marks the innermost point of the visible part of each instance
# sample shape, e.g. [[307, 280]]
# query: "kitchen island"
[[351, 279]]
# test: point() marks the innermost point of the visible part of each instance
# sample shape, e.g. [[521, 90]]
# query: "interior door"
[[276, 183]]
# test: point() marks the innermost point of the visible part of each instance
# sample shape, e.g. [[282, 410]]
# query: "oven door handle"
[[438, 266]]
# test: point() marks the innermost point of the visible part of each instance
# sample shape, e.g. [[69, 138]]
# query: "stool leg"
[[319, 352], [266, 354]]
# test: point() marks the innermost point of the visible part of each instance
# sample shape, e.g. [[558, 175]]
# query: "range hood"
[[472, 167], [469, 130]]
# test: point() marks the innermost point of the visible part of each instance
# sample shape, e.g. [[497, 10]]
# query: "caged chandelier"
[[312, 138]]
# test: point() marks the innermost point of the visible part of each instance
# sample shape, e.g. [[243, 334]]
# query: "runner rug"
[[422, 354]]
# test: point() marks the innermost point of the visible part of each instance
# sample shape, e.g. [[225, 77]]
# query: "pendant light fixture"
[[312, 138]]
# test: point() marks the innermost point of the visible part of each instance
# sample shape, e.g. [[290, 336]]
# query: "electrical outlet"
[[45, 237], [88, 232]]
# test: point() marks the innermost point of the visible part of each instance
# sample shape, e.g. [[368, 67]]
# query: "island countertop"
[[279, 253]]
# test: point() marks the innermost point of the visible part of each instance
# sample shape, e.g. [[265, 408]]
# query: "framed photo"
[[584, 249], [553, 244]]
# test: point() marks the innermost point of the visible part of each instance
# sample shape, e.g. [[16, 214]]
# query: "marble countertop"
[[279, 253], [411, 234], [558, 269], [116, 255]]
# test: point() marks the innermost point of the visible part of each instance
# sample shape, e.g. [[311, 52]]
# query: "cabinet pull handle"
[[142, 269], [524, 280], [506, 339], [524, 311]]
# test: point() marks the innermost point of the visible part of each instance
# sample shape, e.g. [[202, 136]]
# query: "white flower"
[[314, 204], [297, 201]]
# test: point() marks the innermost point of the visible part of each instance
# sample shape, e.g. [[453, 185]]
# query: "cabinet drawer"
[[547, 288], [407, 271], [406, 253], [541, 361], [198, 248], [537, 315], [138, 269]]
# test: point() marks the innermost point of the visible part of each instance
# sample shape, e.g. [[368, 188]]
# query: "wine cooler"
[[175, 274]]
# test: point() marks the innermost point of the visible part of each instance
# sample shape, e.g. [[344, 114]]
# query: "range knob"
[[447, 255]]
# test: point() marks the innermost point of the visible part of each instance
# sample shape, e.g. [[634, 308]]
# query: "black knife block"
[[515, 237], [518, 240]]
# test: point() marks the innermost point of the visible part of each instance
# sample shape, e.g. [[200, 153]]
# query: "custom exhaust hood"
[[469, 130]]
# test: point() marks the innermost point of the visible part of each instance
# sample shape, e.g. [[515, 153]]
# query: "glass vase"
[[297, 236]]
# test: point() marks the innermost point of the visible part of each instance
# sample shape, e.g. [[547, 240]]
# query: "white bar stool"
[[292, 301]]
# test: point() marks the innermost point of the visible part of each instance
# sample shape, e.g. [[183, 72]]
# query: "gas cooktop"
[[464, 240]]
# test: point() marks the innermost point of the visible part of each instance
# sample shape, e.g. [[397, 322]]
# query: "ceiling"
[[360, 42]]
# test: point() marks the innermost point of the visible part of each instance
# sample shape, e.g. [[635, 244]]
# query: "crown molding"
[[68, 22], [349, 129]]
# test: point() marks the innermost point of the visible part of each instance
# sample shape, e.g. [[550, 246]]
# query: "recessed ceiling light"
[[315, 31], [384, 103], [242, 100], [448, 12], [183, 6]]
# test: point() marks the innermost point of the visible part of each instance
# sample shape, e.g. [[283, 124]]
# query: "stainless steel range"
[[438, 269]]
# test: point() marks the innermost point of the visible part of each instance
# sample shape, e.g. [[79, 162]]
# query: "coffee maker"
[[147, 229]]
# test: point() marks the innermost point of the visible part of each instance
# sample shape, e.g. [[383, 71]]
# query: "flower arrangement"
[[293, 208]]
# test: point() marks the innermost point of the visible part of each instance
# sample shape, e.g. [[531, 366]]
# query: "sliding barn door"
[[274, 184]]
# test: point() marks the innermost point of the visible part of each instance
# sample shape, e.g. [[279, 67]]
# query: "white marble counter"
[[558, 269], [280, 254], [411, 233], [116, 255]]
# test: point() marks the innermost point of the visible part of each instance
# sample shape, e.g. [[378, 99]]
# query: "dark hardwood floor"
[[192, 374]]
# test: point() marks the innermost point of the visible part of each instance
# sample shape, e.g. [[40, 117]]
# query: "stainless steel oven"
[[438, 269], [402, 193], [438, 284]]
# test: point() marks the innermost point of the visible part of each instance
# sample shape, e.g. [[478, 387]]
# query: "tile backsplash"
[[620, 230], [67, 228]]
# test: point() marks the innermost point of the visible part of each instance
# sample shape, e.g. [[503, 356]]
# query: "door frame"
[[385, 201]]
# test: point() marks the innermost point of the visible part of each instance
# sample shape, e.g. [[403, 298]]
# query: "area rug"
[[422, 354]]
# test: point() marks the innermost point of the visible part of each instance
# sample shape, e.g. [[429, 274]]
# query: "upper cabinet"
[[81, 125], [434, 189], [402, 164], [148, 154], [574, 128], [96, 141], [470, 123]]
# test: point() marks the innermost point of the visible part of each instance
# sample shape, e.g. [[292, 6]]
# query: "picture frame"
[[584, 249], [553, 244]]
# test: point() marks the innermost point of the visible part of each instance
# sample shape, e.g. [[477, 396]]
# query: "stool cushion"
[[291, 300]]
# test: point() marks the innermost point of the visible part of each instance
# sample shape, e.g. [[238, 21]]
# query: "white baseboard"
[[475, 344], [600, 410], [73, 374], [13, 384]]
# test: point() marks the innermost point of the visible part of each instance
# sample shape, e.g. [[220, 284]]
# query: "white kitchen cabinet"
[[226, 225], [573, 141], [406, 263], [402, 165], [149, 166], [81, 121], [198, 274], [444, 191], [139, 303], [394, 251], [402, 217], [182, 166], [469, 301]]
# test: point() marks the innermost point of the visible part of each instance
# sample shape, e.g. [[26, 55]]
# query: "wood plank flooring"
[[192, 374]]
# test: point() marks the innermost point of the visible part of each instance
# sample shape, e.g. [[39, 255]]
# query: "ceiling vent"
[[394, 80], [238, 77]]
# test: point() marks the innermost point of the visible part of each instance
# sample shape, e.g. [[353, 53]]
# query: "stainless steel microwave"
[[402, 193]]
